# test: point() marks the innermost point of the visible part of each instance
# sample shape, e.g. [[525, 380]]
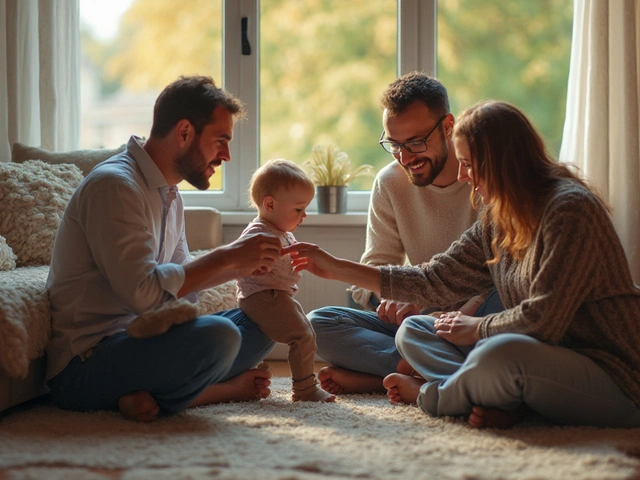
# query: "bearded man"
[[121, 251]]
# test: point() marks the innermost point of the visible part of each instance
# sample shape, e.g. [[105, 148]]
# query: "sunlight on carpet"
[[360, 436]]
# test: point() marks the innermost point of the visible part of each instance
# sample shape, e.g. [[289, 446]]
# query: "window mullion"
[[241, 77], [417, 36]]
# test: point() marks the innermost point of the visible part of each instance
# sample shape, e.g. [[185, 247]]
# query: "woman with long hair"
[[566, 345]]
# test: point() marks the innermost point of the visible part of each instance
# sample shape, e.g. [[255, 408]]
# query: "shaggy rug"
[[360, 436]]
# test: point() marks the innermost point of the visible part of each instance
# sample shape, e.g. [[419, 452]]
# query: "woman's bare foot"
[[315, 395], [139, 406], [482, 417], [339, 380], [402, 388], [405, 369], [247, 386]]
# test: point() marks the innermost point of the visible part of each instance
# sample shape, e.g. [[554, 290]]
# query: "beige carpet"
[[361, 436]]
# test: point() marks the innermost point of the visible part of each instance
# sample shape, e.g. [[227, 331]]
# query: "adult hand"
[[254, 254], [458, 328], [392, 311], [310, 257]]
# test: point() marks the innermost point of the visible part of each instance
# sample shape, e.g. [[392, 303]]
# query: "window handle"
[[246, 46]]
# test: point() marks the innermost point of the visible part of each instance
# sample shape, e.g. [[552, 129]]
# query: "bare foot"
[[340, 380], [402, 388], [247, 386], [405, 369], [139, 406], [482, 417], [317, 395]]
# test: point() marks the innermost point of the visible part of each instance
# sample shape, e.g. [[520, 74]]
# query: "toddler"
[[281, 191]]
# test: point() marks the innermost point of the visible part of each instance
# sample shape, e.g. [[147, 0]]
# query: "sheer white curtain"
[[39, 74], [602, 125]]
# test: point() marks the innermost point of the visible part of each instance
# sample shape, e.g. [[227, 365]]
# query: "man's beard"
[[436, 163], [192, 167]]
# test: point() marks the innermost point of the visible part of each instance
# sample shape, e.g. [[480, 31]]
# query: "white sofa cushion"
[[33, 196], [84, 159], [7, 257], [25, 319]]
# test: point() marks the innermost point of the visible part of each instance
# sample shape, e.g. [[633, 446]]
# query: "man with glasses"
[[418, 209]]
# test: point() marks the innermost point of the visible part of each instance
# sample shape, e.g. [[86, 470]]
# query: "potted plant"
[[332, 171]]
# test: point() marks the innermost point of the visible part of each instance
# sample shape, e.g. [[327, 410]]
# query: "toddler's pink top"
[[281, 277]]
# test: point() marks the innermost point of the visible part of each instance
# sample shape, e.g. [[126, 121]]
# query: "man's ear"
[[184, 131], [448, 124], [267, 203]]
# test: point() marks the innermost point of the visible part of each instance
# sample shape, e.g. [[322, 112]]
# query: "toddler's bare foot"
[[315, 395], [402, 388], [339, 380], [139, 406], [482, 417], [247, 386]]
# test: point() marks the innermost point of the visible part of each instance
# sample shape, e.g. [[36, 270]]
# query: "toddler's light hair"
[[275, 175]]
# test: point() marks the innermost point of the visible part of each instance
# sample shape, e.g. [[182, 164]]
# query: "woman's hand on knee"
[[458, 328]]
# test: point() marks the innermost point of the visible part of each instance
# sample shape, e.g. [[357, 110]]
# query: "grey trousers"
[[507, 370]]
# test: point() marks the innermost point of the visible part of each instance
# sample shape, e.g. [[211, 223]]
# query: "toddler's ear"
[[267, 203]]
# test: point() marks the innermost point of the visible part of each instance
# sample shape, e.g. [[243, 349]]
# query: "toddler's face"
[[289, 209]]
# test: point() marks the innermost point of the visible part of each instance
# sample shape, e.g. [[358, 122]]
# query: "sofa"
[[34, 189]]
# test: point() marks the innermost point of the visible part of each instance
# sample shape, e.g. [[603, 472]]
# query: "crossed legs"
[[207, 360], [503, 375]]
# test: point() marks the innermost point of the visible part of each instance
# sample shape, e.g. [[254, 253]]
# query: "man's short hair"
[[193, 98], [412, 87]]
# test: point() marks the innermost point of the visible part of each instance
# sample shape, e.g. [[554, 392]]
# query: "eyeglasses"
[[415, 146]]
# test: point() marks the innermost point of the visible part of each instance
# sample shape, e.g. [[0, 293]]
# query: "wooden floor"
[[280, 368]]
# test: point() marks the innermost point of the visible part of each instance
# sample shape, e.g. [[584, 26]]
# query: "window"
[[316, 70], [518, 52]]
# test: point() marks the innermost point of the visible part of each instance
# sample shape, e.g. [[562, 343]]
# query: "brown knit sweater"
[[573, 288]]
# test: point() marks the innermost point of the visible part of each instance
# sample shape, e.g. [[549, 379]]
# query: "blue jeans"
[[507, 370], [358, 340], [174, 367]]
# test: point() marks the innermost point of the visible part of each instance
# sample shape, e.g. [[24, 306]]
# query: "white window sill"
[[356, 219]]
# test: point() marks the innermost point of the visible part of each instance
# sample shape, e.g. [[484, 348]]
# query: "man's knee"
[[217, 336], [326, 317]]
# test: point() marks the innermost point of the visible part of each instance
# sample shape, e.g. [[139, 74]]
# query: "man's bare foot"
[[482, 417], [315, 395], [139, 406], [247, 386], [340, 380], [402, 388]]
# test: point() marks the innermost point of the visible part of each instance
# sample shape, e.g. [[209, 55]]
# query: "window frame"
[[417, 24]]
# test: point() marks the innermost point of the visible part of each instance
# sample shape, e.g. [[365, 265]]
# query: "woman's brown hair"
[[509, 157]]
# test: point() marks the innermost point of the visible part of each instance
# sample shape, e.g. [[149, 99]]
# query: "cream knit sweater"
[[409, 224], [573, 288]]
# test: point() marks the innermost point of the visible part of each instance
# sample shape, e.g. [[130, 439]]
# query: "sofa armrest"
[[203, 226]]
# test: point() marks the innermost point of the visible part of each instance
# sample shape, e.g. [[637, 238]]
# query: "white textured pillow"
[[84, 159], [7, 257], [216, 299], [33, 197]]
